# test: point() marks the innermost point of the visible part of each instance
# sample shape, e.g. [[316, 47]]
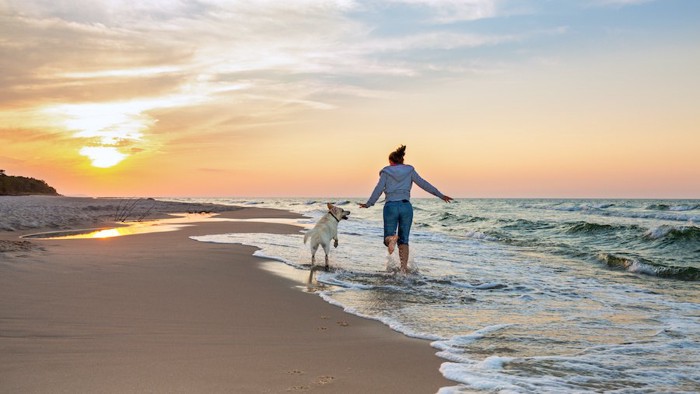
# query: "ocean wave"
[[684, 207], [452, 218], [670, 233], [656, 211], [524, 224], [582, 207], [594, 228], [640, 266], [604, 205], [676, 217], [672, 207], [480, 286], [481, 236]]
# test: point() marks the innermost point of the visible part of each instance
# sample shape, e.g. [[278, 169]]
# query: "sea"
[[520, 295]]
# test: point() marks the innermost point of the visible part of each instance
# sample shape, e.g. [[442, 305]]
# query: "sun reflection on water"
[[112, 232]]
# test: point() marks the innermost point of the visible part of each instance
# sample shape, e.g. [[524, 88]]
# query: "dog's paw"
[[335, 244]]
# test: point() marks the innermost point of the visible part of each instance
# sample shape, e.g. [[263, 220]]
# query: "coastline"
[[160, 312]]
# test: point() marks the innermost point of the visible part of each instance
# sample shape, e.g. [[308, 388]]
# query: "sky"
[[307, 98]]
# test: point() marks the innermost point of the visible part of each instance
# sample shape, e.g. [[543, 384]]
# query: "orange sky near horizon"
[[250, 99]]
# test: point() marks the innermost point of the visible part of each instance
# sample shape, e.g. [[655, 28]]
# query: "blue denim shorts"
[[398, 214]]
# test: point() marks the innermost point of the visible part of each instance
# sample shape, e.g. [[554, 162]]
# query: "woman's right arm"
[[377, 191]]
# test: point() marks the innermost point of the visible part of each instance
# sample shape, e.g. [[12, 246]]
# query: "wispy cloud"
[[618, 3], [449, 11], [108, 69]]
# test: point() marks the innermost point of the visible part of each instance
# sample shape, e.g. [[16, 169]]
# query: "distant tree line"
[[21, 185]]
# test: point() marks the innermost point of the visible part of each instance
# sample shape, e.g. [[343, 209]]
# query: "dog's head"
[[338, 212]]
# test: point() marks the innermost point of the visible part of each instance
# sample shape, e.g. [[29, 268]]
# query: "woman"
[[395, 181]]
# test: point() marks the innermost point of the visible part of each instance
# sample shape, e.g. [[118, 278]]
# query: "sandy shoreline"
[[163, 313], [19, 213]]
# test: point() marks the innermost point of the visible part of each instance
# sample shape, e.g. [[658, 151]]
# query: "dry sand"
[[163, 313]]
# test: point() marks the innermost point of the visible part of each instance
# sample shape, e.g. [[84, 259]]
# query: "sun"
[[103, 156]]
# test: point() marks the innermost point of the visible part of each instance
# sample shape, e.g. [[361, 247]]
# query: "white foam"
[[683, 207], [480, 235]]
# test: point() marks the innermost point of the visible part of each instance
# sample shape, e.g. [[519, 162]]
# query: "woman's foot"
[[390, 242]]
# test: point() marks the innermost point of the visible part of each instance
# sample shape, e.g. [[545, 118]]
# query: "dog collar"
[[336, 219]]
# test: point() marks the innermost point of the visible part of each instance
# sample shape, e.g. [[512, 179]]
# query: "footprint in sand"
[[299, 388], [323, 380], [295, 372], [322, 328], [343, 323]]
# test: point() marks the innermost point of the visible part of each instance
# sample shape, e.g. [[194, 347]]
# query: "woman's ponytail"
[[397, 155]]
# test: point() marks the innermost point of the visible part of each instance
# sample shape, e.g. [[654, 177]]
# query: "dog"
[[325, 230]]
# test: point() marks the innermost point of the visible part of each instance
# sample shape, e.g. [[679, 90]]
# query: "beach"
[[161, 312]]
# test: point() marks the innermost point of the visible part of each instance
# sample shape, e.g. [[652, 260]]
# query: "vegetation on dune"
[[21, 185]]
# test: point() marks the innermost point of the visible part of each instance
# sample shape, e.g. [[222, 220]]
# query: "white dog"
[[325, 230]]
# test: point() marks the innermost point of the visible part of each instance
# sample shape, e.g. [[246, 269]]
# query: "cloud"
[[14, 135], [114, 49], [442, 40], [449, 11], [11, 160], [111, 71], [618, 3]]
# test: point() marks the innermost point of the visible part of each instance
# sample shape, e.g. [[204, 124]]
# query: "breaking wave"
[[640, 266], [672, 207], [674, 233]]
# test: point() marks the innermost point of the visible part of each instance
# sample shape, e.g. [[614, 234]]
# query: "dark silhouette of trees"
[[20, 185]]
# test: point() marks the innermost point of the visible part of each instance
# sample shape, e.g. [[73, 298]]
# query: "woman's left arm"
[[425, 185]]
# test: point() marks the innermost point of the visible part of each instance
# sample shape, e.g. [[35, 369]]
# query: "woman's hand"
[[363, 205], [447, 198]]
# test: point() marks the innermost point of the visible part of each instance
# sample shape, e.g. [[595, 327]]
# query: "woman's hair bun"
[[397, 155]]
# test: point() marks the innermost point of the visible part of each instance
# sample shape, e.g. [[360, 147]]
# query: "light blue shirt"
[[396, 182]]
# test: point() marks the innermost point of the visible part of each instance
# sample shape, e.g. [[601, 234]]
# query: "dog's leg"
[[335, 244], [313, 254], [326, 248]]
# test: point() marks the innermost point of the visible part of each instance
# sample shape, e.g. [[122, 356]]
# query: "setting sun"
[[103, 156]]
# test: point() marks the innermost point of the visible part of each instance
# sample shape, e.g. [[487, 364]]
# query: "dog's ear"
[[330, 206]]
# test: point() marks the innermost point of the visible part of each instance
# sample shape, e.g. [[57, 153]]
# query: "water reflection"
[[132, 228]]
